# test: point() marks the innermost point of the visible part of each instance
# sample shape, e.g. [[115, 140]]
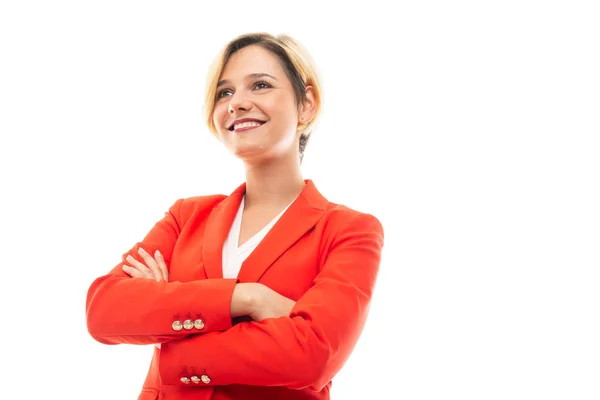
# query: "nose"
[[238, 102]]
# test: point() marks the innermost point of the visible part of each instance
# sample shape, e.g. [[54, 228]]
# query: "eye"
[[223, 93], [262, 85]]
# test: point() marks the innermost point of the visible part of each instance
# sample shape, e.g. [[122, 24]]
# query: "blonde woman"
[[261, 294]]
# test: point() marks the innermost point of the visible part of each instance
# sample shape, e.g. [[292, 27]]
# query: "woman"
[[261, 294]]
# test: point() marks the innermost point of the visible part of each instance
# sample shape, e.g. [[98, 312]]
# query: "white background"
[[469, 128]]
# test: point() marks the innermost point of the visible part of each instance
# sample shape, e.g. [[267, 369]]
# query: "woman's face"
[[255, 113]]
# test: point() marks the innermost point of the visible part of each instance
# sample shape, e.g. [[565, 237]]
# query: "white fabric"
[[234, 256]]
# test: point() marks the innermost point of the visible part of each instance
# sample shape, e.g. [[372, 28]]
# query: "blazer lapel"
[[300, 217], [217, 228]]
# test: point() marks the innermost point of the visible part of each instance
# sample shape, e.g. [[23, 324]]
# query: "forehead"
[[251, 60]]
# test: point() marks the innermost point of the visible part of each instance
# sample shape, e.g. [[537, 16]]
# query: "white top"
[[234, 256]]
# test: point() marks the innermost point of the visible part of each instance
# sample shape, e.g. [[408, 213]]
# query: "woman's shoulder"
[[340, 217], [185, 208], [203, 201]]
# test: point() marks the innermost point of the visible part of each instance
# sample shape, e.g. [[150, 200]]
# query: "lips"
[[245, 124]]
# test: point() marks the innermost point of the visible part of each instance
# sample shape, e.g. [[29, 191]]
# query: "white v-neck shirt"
[[234, 256]]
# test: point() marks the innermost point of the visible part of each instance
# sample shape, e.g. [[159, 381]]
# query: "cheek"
[[219, 116], [283, 108]]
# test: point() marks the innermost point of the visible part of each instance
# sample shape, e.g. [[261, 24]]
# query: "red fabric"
[[322, 255]]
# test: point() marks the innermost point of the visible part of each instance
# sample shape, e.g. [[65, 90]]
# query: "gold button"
[[205, 379], [199, 324], [188, 324], [177, 325], [185, 380], [195, 379]]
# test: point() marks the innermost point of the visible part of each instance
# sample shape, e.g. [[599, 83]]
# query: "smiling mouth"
[[246, 126]]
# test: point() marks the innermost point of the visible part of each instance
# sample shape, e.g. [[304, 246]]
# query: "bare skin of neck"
[[274, 183], [270, 187]]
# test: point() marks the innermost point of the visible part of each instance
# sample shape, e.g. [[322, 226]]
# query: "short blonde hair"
[[296, 62]]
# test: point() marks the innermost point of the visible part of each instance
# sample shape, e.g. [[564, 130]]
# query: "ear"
[[309, 107]]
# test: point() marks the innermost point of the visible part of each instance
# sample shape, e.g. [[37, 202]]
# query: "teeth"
[[246, 125]]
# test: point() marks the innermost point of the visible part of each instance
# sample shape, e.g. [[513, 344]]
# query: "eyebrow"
[[251, 76]]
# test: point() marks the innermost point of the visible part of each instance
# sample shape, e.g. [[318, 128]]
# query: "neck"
[[273, 183]]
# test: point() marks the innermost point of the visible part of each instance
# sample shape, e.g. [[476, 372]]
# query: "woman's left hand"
[[267, 303], [155, 268]]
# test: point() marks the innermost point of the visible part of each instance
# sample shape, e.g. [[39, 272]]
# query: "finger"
[[162, 266], [150, 263], [139, 266], [288, 306], [134, 272]]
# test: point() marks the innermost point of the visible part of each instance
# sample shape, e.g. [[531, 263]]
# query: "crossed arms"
[[304, 349]]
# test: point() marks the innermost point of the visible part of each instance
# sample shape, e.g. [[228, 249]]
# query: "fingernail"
[[157, 253], [129, 258], [141, 250]]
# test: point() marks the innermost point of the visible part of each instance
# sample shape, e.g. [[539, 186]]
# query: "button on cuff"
[[199, 324], [177, 326]]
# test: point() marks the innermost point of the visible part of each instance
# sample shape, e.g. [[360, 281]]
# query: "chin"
[[256, 155], [247, 152]]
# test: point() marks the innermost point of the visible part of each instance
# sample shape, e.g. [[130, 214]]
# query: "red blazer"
[[322, 255]]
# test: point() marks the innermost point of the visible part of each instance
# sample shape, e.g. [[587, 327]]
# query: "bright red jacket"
[[322, 255]]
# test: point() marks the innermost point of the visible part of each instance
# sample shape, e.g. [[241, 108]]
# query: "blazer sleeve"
[[121, 309], [303, 350]]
